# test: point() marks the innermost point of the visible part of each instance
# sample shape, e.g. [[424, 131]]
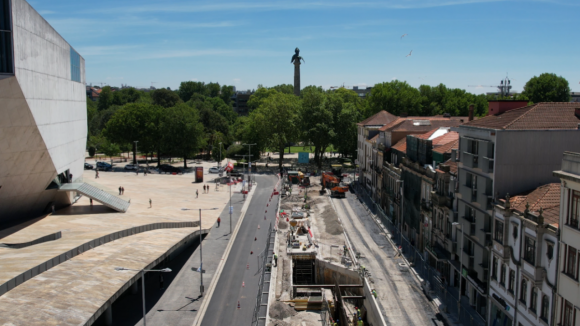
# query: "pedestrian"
[[96, 174], [275, 260], [216, 186], [161, 282], [219, 220], [119, 190], [204, 188], [122, 190], [196, 193], [91, 201], [150, 203], [145, 172]]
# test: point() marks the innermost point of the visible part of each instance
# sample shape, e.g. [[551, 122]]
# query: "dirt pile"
[[275, 322], [280, 310], [331, 224], [282, 225]]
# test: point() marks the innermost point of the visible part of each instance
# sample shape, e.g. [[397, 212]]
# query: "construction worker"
[[275, 260], [360, 322], [335, 323], [358, 314], [374, 293]]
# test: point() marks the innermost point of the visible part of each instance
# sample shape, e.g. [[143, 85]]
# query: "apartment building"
[[524, 258], [512, 151], [366, 156], [567, 300]]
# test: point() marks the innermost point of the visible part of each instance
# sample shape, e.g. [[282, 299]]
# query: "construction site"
[[318, 281]]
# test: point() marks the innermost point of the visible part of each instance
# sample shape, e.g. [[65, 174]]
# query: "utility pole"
[[248, 165], [402, 211], [135, 158]]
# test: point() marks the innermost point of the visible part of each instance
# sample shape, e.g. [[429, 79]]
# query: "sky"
[[459, 43]]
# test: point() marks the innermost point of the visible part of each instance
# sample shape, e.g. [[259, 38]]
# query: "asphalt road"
[[237, 283]]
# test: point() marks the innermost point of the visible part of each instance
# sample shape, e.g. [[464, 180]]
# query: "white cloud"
[[46, 12]]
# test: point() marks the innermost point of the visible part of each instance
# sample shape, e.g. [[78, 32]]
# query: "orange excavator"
[[337, 189]]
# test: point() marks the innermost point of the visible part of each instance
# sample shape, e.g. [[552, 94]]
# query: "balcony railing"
[[472, 228], [426, 205]]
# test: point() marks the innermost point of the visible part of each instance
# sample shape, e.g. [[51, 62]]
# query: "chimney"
[[501, 106], [577, 112], [403, 114], [470, 113]]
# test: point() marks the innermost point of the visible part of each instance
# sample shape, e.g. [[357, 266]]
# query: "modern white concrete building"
[[567, 301], [43, 121]]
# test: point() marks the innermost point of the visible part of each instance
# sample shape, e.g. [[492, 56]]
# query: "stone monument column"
[[297, 77]]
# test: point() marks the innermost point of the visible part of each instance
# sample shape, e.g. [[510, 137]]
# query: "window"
[[574, 212], [498, 234], [75, 66], [524, 291], [545, 308], [515, 232], [550, 251], [530, 250], [474, 147], [568, 317], [512, 281], [571, 262], [502, 275], [6, 63], [494, 270], [534, 299]]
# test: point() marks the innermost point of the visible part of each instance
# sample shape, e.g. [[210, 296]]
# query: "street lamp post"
[[220, 162], [143, 271], [201, 288], [459, 226], [249, 163], [249, 155], [136, 160]]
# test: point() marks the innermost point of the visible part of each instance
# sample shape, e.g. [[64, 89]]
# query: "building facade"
[[43, 121], [567, 301], [510, 152]]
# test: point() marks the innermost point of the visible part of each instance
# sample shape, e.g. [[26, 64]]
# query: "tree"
[[284, 88], [110, 150], [188, 88], [212, 89], [137, 121], [105, 98], [316, 119], [165, 98], [226, 111], [547, 88], [182, 131], [125, 95], [276, 120], [259, 96], [345, 140], [100, 119], [395, 97], [226, 94]]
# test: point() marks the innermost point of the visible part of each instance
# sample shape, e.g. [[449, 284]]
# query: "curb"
[[274, 275], [207, 298]]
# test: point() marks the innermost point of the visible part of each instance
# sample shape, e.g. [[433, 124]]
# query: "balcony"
[[488, 164], [472, 228], [440, 200], [426, 205]]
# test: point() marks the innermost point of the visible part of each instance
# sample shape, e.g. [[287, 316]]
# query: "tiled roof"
[[452, 166], [427, 135], [379, 119], [446, 148], [540, 116], [547, 197], [421, 124], [401, 145], [446, 139]]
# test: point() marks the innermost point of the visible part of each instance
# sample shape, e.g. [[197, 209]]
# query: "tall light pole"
[[220, 162], [201, 288], [249, 155], [143, 271], [402, 211], [136, 160], [249, 162], [459, 226]]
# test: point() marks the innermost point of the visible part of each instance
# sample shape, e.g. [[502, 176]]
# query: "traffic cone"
[[238, 305], [266, 211], [248, 266], [258, 226], [268, 204], [255, 238], [243, 284], [251, 252], [264, 217]]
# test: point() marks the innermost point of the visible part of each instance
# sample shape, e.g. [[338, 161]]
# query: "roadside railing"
[[447, 295], [265, 270]]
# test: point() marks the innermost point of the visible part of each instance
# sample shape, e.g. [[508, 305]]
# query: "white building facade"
[[567, 301], [43, 121]]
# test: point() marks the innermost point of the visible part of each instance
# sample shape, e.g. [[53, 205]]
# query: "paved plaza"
[[72, 291]]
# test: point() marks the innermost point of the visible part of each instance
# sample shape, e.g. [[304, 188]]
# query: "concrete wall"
[[526, 159], [43, 125]]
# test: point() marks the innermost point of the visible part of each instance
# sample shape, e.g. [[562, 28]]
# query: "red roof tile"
[[401, 145], [446, 148], [379, 119], [422, 124], [452, 166], [547, 197], [446, 139], [540, 116]]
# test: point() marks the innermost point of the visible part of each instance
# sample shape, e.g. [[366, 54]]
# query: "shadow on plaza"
[[128, 308]]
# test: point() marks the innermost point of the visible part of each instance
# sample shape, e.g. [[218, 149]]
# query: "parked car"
[[104, 166], [131, 167], [215, 169], [88, 166], [169, 168], [235, 173]]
